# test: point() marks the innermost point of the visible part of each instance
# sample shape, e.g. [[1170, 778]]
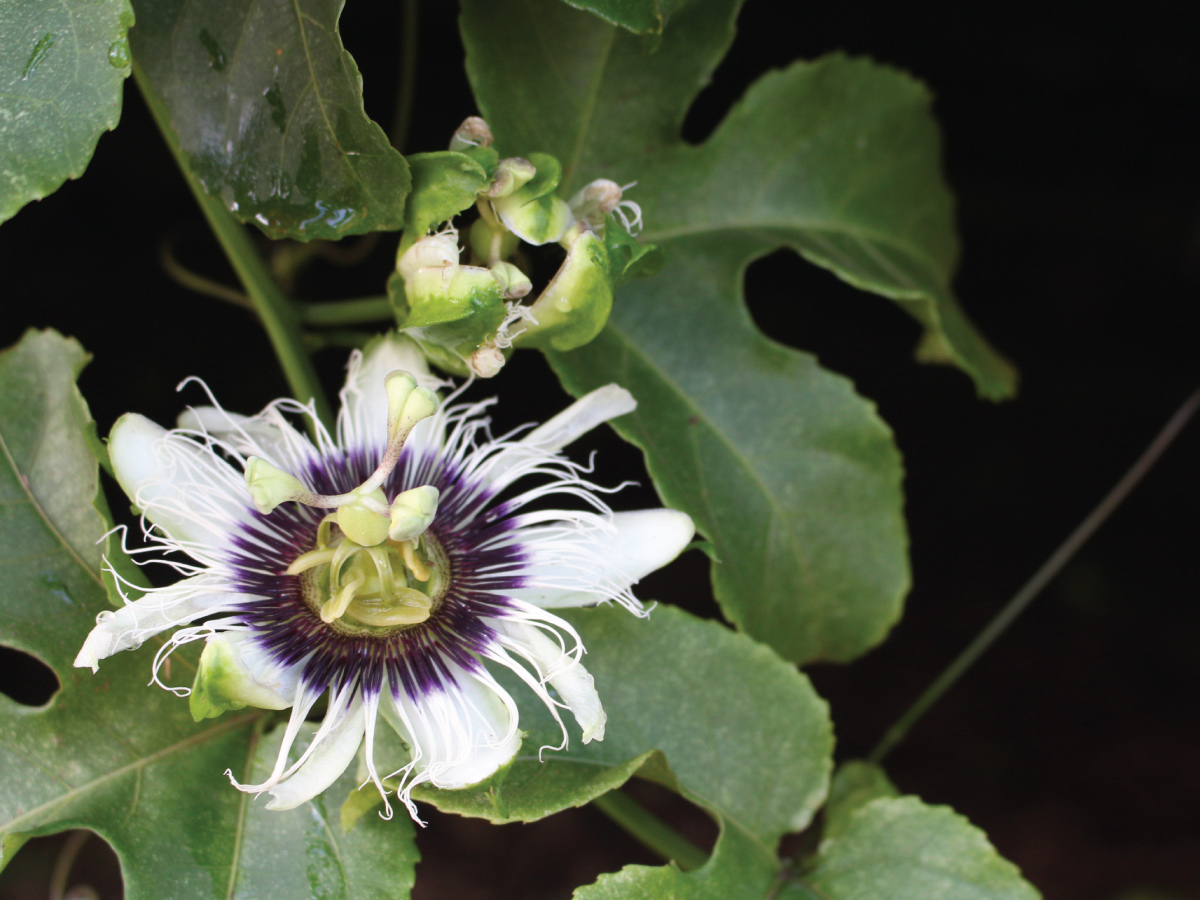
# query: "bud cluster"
[[467, 314]]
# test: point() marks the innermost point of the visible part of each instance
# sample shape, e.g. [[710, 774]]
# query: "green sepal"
[[485, 156], [444, 184], [627, 257], [533, 213], [223, 683], [452, 324], [576, 304]]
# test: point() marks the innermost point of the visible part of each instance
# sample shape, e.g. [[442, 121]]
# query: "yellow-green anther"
[[512, 281], [511, 174], [269, 486], [361, 522], [412, 512], [421, 404], [407, 606], [399, 386], [473, 132]]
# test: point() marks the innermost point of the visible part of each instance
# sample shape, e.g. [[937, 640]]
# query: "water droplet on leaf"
[[118, 54]]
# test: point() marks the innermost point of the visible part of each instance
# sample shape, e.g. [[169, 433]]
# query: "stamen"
[[408, 607]]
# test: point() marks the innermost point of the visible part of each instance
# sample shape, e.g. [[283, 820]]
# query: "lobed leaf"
[[108, 752], [62, 69], [794, 478], [898, 848], [266, 107], [739, 869], [746, 711], [855, 783]]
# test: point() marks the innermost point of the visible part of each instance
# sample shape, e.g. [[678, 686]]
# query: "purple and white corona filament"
[[377, 568]]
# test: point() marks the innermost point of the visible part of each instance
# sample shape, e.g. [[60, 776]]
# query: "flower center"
[[375, 565], [389, 584]]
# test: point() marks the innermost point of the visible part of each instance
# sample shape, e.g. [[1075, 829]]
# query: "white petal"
[[268, 435], [562, 669], [186, 489], [327, 762], [580, 564], [458, 736], [582, 416], [362, 422], [157, 611]]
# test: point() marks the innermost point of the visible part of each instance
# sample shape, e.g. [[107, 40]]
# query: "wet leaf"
[[266, 107], [62, 69]]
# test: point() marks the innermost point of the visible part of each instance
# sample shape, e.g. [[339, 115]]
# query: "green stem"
[[277, 314], [654, 833], [405, 91], [1040, 579], [358, 311]]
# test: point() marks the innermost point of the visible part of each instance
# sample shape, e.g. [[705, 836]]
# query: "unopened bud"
[[487, 361], [513, 282], [511, 174], [595, 201], [434, 251], [473, 132]]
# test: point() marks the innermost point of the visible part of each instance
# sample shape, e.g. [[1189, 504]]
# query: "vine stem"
[[650, 830], [406, 89], [277, 314], [356, 311], [1042, 577]]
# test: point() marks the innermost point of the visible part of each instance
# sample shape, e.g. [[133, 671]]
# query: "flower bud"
[[487, 361], [511, 174], [595, 201], [473, 132], [513, 282]]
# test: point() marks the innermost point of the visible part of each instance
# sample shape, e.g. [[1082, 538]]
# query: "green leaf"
[[638, 16], [108, 752], [62, 68], [901, 849], [752, 744], [266, 106], [739, 869], [855, 783], [304, 852], [791, 475]]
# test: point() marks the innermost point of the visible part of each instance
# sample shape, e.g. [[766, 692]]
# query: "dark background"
[[1072, 141]]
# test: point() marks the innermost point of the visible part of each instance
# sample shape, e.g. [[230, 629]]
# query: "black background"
[[1072, 140]]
